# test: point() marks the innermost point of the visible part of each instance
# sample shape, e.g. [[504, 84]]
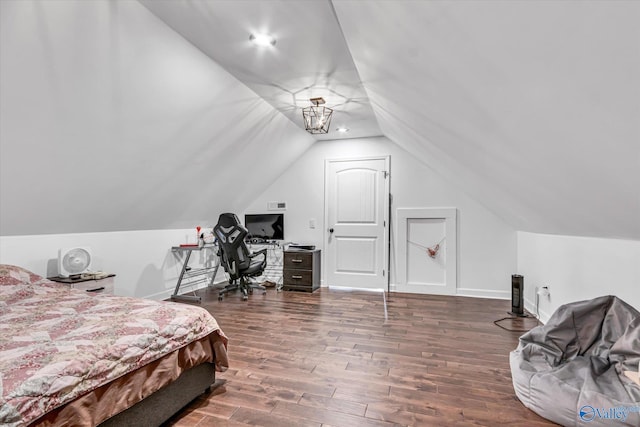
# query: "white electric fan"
[[74, 261]]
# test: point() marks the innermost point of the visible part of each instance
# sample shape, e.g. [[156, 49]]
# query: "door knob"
[[331, 230]]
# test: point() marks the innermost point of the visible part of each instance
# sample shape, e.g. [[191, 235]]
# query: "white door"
[[356, 220]]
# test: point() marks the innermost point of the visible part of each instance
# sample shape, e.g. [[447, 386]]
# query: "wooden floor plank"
[[331, 403], [343, 358], [326, 415], [250, 417]]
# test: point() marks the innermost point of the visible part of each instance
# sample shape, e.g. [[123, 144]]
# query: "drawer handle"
[[296, 260], [101, 288], [296, 277]]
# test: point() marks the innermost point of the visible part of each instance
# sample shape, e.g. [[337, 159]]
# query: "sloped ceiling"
[[310, 59], [110, 121], [531, 107]]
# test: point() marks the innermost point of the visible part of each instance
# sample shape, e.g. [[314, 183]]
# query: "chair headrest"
[[228, 220]]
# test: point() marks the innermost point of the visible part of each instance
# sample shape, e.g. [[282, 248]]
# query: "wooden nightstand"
[[104, 285], [301, 270]]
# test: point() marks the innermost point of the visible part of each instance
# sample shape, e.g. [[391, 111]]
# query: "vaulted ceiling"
[[532, 108], [310, 59]]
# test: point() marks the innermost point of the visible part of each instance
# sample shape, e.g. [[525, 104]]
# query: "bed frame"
[[161, 405]]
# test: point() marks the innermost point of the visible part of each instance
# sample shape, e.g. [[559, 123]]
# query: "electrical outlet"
[[544, 291]]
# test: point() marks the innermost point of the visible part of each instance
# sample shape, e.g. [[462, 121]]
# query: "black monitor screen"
[[265, 226]]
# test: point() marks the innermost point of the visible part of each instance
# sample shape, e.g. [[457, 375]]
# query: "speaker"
[[517, 295]]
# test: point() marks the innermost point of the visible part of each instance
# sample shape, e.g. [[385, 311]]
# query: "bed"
[[77, 359]]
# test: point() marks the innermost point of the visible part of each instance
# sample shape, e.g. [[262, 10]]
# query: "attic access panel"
[[426, 251]]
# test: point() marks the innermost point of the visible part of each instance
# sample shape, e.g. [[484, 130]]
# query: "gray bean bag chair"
[[570, 370]]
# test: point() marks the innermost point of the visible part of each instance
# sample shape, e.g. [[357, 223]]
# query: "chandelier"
[[317, 118]]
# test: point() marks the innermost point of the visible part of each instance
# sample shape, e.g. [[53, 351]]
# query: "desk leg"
[[215, 273], [175, 295]]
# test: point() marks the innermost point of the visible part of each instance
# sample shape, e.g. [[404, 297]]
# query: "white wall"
[[577, 268], [142, 260], [487, 245]]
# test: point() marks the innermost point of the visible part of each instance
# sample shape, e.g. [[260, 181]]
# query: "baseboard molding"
[[530, 306], [483, 293], [474, 293], [159, 296], [166, 294]]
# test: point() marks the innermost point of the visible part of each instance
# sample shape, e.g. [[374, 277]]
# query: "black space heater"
[[517, 295]]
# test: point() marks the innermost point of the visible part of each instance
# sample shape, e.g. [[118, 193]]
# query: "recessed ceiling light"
[[262, 39], [343, 129]]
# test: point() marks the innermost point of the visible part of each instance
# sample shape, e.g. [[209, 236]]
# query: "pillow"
[[14, 275]]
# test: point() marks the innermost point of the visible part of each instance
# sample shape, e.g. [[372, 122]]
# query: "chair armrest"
[[260, 252]]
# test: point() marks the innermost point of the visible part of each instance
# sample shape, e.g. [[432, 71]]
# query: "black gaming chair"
[[238, 262]]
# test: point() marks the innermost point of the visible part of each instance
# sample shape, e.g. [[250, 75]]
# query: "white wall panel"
[[141, 260], [577, 268]]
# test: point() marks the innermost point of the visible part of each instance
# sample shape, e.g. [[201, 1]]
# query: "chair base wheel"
[[220, 298]]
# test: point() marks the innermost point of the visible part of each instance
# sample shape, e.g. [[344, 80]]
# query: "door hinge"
[[386, 174], [382, 273]]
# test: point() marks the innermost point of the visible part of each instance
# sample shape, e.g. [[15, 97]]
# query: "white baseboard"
[[159, 296], [531, 308], [483, 293], [475, 293], [166, 294]]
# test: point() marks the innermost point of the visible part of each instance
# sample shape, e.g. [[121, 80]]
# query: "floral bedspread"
[[57, 344]]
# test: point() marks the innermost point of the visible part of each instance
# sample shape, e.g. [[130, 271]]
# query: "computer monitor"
[[264, 226]]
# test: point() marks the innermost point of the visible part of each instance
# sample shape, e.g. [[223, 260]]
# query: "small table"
[[93, 283], [301, 270], [198, 274]]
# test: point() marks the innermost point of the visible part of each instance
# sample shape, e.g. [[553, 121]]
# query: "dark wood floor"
[[350, 358]]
